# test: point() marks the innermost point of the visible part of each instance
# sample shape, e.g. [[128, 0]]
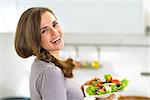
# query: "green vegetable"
[[91, 89], [94, 83], [98, 87], [124, 83], [102, 91], [114, 87], [108, 77]]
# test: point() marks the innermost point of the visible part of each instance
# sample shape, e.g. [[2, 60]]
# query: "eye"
[[44, 30], [55, 23]]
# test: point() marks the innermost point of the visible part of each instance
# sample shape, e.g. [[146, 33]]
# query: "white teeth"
[[55, 39]]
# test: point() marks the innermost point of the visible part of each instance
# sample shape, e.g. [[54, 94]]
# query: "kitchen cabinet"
[[92, 16], [85, 16]]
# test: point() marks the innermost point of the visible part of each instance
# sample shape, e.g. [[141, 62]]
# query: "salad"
[[108, 85]]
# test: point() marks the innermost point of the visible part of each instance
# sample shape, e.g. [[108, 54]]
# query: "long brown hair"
[[28, 40]]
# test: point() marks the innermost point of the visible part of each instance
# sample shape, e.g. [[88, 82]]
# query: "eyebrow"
[[54, 21], [44, 27], [47, 26]]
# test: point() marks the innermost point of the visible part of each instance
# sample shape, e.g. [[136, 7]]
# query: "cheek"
[[44, 41], [59, 29]]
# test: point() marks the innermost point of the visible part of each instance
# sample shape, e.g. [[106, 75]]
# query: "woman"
[[38, 33]]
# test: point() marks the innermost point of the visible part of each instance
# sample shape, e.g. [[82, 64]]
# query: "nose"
[[53, 32]]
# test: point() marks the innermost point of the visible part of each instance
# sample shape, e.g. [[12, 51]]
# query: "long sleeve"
[[47, 82], [51, 84]]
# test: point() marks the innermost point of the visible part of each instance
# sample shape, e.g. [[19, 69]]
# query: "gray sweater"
[[47, 82]]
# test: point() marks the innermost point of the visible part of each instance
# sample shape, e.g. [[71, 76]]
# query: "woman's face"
[[51, 33]]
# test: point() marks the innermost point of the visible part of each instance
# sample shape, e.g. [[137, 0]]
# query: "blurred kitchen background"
[[105, 36]]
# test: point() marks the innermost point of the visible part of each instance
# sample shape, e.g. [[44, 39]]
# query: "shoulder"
[[48, 75], [44, 67], [47, 70]]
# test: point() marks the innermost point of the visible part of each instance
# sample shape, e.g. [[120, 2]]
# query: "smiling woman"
[[39, 33], [52, 35]]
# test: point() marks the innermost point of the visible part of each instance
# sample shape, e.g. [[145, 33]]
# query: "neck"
[[55, 54]]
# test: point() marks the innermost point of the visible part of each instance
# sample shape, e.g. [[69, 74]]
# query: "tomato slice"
[[115, 81]]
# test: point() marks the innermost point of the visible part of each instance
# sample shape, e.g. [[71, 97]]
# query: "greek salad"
[[105, 86]]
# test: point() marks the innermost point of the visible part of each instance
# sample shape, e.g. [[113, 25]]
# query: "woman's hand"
[[111, 97]]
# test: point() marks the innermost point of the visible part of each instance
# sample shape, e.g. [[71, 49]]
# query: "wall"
[[14, 70]]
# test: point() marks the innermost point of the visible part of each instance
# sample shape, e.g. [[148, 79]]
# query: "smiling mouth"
[[56, 40]]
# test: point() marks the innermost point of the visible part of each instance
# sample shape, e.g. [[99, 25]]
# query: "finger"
[[82, 88], [111, 97]]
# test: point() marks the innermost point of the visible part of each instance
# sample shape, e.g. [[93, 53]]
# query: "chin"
[[60, 47]]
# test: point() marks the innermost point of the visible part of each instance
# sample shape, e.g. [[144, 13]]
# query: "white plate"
[[117, 94]]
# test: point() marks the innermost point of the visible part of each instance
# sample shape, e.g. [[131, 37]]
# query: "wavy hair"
[[28, 40]]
